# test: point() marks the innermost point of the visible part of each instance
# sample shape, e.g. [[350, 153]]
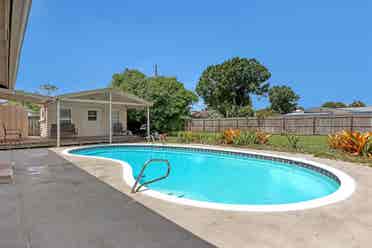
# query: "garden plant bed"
[[316, 145]]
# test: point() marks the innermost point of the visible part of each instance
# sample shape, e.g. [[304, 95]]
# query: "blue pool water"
[[221, 178]]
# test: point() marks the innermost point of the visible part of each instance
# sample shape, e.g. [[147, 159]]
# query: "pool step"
[[6, 173]]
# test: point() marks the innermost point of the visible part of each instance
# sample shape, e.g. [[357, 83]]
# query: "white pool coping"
[[346, 189]]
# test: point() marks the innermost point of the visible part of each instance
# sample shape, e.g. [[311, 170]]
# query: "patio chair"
[[117, 129], [67, 130], [10, 134], [156, 136]]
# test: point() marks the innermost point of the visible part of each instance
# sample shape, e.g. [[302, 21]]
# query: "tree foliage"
[[331, 104], [283, 99], [171, 101], [356, 104], [29, 105], [265, 112], [228, 87]]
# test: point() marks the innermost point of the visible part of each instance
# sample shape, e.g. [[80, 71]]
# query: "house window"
[[115, 117], [92, 115], [65, 116]]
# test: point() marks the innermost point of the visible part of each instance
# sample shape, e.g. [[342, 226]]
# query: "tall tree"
[[331, 104], [171, 101], [355, 104], [283, 99], [48, 88], [228, 87]]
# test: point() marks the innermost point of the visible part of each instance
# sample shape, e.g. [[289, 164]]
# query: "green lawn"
[[316, 145]]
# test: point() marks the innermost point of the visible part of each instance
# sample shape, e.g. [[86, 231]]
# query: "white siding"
[[79, 117]]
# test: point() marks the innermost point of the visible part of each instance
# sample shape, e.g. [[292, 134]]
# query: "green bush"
[[203, 138], [293, 141], [185, 137], [367, 150], [245, 138]]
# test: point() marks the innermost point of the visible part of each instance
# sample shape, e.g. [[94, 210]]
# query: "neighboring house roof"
[[333, 111], [307, 114], [359, 110], [200, 114], [13, 22]]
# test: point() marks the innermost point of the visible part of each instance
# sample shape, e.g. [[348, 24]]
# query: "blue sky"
[[322, 49]]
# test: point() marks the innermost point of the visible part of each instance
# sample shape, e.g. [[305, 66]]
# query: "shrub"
[[293, 141], [203, 138], [230, 134], [262, 137], [185, 137], [251, 138], [209, 138], [355, 143], [245, 138], [367, 151]]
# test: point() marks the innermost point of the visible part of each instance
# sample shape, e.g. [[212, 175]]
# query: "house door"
[[92, 122]]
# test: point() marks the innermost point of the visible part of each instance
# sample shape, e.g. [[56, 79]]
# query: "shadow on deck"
[[38, 142]]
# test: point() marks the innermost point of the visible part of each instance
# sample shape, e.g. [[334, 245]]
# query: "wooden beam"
[[103, 102]]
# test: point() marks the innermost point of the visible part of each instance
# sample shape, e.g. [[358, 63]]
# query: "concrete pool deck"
[[344, 224], [53, 203], [45, 202]]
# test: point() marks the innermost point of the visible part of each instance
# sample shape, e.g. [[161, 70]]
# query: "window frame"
[[92, 115]]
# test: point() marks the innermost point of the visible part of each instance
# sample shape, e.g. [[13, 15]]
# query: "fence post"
[[237, 123], [352, 123], [203, 125], [284, 126], [314, 127]]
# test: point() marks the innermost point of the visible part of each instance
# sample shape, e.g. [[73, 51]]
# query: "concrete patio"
[[80, 202], [53, 203]]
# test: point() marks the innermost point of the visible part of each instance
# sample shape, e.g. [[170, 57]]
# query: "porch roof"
[[18, 95], [102, 96], [13, 22]]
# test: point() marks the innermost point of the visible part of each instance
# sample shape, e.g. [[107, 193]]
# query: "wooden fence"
[[14, 117], [34, 126], [301, 125]]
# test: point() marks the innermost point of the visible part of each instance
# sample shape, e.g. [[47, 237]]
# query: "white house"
[[88, 113]]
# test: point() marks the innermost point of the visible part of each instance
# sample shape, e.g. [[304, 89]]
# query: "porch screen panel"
[[65, 116]]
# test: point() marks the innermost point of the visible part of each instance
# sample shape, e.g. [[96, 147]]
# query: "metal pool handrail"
[[135, 189]]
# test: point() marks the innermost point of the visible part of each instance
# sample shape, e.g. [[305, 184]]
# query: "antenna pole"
[[155, 70]]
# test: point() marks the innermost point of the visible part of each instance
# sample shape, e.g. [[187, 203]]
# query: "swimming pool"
[[228, 179]]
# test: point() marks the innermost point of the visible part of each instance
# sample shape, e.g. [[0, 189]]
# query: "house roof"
[[333, 111], [90, 96], [367, 109], [13, 22]]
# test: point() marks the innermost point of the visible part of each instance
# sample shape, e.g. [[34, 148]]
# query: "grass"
[[315, 145]]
